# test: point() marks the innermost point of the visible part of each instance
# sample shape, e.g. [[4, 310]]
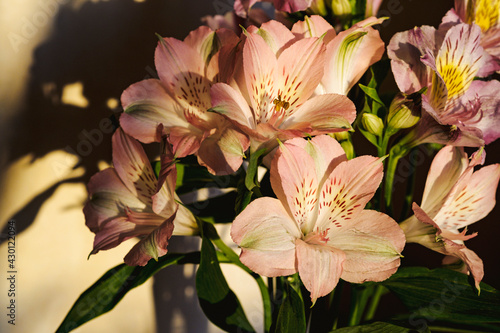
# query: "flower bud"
[[318, 7], [404, 111], [341, 136], [341, 7], [372, 123]]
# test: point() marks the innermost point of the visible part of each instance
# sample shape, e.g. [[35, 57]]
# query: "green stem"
[[335, 298], [375, 300], [382, 149], [359, 300], [410, 188], [394, 157]]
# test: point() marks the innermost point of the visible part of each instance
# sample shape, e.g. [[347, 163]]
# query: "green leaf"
[[251, 180], [376, 327], [219, 303], [372, 93], [103, 295], [192, 177], [291, 317], [444, 296]]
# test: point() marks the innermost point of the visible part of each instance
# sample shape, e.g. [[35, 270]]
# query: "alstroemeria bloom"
[[454, 197], [272, 99], [458, 110], [318, 226], [179, 101], [242, 7], [348, 54], [128, 201], [484, 13]]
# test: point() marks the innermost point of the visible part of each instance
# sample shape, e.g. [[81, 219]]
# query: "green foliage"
[[376, 327], [218, 301], [442, 296], [291, 316], [104, 294]]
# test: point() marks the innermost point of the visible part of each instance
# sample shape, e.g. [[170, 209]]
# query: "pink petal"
[[372, 243], [326, 152], [322, 114], [300, 68], [133, 167], [182, 71], [222, 152], [447, 166], [295, 182], [320, 267], [291, 6], [185, 141], [163, 201], [147, 105], [470, 258], [266, 234], [108, 198], [231, 104], [259, 63], [185, 222], [489, 116], [347, 190], [276, 35], [314, 26], [117, 230], [349, 55], [410, 73], [472, 198], [154, 245]]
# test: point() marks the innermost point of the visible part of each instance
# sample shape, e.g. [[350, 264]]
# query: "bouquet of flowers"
[[258, 120]]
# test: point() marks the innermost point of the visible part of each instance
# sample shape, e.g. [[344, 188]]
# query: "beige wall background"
[[63, 67]]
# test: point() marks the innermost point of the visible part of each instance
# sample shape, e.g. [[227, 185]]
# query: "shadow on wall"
[[94, 52]]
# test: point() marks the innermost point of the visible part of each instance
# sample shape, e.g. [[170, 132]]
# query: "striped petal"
[[347, 190], [259, 64], [133, 167], [295, 182], [320, 267], [471, 199]]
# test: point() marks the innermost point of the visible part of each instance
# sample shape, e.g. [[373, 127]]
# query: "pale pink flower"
[[348, 55], [128, 201], [458, 109], [242, 7], [318, 226], [454, 197], [268, 95], [179, 100]]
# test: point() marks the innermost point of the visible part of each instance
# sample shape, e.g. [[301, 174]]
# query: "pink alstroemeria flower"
[[269, 96], [242, 7], [348, 54], [318, 226], [458, 110], [128, 201], [454, 197], [179, 100], [484, 13]]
